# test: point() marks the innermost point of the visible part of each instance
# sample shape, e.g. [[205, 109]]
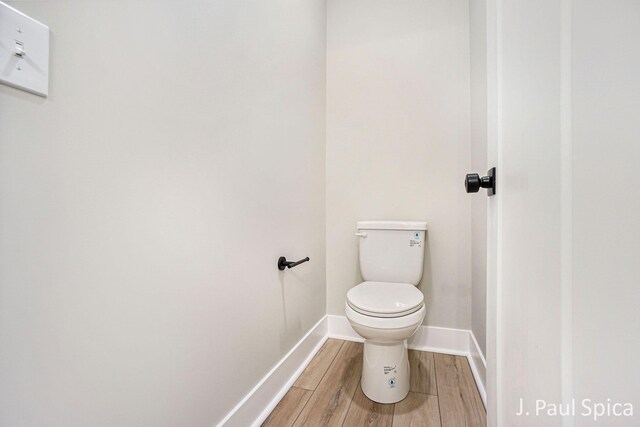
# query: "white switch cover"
[[24, 52]]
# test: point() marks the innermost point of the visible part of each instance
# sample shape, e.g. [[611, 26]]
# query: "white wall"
[[398, 140], [478, 56], [145, 203]]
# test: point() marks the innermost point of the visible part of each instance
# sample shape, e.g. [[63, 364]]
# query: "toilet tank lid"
[[392, 225]]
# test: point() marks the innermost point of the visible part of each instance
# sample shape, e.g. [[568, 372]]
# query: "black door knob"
[[474, 182]]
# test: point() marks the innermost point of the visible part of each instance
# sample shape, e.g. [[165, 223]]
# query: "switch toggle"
[[20, 53]]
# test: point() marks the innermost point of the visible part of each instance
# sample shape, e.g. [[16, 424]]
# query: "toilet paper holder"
[[283, 263]]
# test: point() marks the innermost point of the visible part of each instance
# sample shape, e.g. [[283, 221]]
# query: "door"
[[563, 281]]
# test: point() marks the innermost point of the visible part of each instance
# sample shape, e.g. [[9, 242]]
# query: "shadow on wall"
[[291, 319], [425, 284], [23, 96]]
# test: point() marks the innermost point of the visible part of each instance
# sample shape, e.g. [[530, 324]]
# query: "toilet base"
[[385, 371]]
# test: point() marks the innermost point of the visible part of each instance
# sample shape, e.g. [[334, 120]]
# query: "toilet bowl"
[[387, 308], [385, 315]]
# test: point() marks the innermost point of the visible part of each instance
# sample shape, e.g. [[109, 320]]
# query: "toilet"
[[387, 308]]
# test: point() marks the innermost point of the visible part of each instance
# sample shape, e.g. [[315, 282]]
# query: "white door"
[[564, 228]]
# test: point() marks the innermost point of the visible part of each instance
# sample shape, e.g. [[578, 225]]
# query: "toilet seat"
[[386, 323], [385, 299]]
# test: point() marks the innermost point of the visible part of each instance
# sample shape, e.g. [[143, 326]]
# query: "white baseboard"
[[340, 328], [260, 401], [478, 366], [263, 398], [461, 342]]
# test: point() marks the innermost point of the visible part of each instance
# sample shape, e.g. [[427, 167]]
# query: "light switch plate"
[[24, 51]]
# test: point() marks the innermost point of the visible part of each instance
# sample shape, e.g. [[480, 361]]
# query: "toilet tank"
[[391, 251]]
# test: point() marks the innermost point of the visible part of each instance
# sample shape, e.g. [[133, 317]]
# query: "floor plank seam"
[[330, 365], [326, 370], [302, 410], [435, 369], [393, 414], [421, 392], [350, 402], [313, 392]]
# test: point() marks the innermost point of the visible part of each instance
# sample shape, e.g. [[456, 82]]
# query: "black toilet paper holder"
[[283, 263]]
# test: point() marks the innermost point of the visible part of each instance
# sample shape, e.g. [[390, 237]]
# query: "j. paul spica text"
[[577, 408]]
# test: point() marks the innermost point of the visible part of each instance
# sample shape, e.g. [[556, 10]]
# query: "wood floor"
[[443, 393]]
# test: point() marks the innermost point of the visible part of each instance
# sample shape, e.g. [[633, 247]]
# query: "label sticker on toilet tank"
[[416, 240]]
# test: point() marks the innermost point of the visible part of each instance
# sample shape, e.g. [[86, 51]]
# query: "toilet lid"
[[383, 299]]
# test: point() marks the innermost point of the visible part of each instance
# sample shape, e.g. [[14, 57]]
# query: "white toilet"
[[387, 308]]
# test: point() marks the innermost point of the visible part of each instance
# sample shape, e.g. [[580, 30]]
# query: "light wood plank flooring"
[[443, 393]]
